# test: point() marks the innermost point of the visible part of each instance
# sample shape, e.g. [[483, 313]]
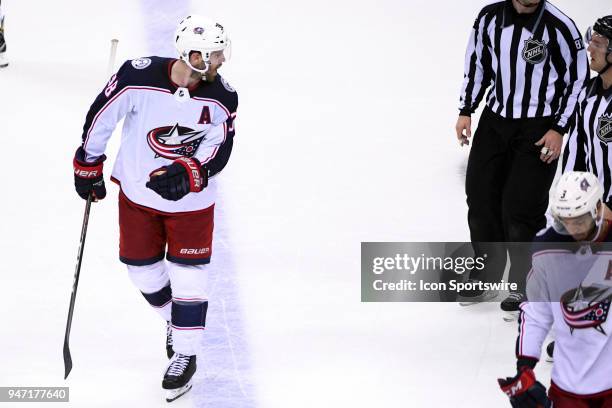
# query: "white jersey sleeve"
[[536, 317], [111, 105]]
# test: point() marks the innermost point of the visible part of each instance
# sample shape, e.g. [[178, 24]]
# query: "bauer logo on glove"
[[86, 174], [185, 175], [88, 177]]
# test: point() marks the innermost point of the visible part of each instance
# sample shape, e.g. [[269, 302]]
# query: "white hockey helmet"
[[197, 33], [577, 193]]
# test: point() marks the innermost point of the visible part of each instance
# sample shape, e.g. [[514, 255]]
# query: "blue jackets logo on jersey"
[[534, 51], [172, 142], [587, 307], [604, 128]]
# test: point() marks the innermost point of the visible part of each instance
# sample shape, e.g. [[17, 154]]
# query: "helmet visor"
[[580, 228], [221, 56]]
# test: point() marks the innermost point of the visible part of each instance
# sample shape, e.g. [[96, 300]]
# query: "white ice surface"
[[345, 134]]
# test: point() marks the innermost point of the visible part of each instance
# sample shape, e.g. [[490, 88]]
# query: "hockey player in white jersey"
[[178, 133], [569, 291]]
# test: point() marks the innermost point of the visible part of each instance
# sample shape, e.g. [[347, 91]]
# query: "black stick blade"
[[67, 360]]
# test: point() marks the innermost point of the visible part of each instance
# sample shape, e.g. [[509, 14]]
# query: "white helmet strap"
[[599, 216], [201, 71]]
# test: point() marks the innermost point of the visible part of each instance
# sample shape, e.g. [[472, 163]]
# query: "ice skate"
[[169, 341], [511, 306], [177, 379], [485, 296], [472, 297], [3, 58]]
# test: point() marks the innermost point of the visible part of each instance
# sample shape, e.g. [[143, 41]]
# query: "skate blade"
[[511, 317], [486, 297], [172, 395]]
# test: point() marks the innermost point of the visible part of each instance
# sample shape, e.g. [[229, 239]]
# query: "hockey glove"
[[183, 176], [88, 177], [524, 391]]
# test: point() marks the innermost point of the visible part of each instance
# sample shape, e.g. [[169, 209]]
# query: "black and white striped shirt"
[[589, 144], [535, 64]]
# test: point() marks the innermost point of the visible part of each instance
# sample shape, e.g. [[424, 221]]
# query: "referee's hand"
[[464, 123], [551, 146]]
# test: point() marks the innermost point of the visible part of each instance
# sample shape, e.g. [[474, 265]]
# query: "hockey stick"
[[77, 271], [111, 59]]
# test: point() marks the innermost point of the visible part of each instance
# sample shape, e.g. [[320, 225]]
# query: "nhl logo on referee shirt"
[[604, 128], [534, 51]]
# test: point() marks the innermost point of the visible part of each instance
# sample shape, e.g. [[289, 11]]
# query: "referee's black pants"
[[507, 189]]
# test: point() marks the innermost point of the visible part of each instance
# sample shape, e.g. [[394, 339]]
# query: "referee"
[[588, 146], [531, 58]]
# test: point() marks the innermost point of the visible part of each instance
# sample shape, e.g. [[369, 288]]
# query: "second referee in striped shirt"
[[589, 146], [531, 58]]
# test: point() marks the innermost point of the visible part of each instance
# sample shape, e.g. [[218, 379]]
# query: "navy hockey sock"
[[160, 298]]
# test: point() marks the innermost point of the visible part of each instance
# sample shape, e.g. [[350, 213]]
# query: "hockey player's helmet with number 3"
[[197, 33], [577, 193]]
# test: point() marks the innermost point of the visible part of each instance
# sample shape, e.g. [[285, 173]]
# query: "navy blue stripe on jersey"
[[220, 160]]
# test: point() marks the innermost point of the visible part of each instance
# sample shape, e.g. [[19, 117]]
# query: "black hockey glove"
[[183, 176], [88, 177], [524, 391]]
